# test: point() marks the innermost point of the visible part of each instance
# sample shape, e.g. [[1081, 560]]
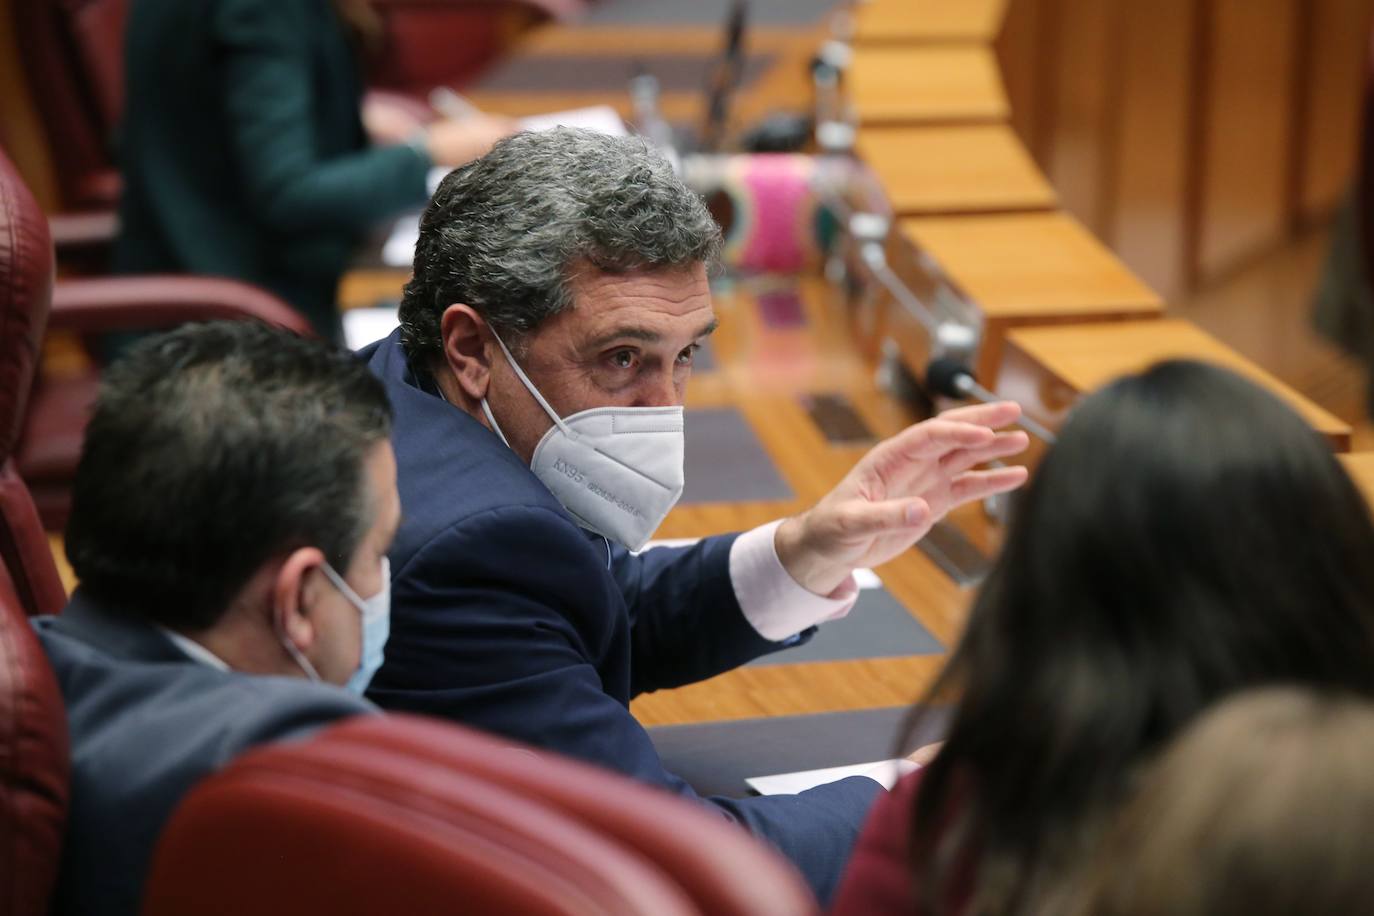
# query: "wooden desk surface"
[[1033, 265], [956, 169], [929, 20], [929, 84], [1360, 466], [1084, 357], [786, 84]]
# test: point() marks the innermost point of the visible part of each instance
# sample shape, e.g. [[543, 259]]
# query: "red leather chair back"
[[338, 827], [725, 871], [26, 283], [34, 759], [73, 55], [34, 765]]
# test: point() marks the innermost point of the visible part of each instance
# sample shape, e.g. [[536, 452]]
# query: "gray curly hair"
[[504, 233]]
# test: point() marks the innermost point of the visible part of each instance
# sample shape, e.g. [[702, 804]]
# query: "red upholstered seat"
[[50, 442], [26, 282], [34, 763], [351, 828], [72, 52], [427, 43], [725, 871], [409, 815]]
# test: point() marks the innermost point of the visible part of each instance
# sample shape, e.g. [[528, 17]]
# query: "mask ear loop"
[[486, 411], [567, 430], [529, 386], [296, 654]]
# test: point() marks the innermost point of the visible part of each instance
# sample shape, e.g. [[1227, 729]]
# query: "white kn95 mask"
[[616, 470]]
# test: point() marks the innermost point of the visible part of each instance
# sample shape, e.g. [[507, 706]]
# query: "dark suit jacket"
[[509, 617], [242, 149], [147, 723]]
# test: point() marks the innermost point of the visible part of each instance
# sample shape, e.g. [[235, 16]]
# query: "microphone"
[[953, 379]]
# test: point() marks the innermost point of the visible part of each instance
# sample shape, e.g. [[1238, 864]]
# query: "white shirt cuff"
[[772, 601]]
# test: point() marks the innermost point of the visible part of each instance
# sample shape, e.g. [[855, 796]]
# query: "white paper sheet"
[[886, 772], [362, 326], [399, 248], [601, 118]]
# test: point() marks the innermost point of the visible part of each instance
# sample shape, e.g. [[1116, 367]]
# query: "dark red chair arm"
[[106, 304]]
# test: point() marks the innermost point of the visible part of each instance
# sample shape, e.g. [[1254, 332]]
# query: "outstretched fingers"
[[976, 485], [1005, 445]]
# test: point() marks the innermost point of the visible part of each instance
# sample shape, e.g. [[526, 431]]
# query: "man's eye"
[[685, 357], [623, 359]]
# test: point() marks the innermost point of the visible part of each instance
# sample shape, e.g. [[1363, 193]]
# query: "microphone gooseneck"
[[952, 379], [949, 377]]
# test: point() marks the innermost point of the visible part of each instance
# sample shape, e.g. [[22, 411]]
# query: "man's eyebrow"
[[647, 335]]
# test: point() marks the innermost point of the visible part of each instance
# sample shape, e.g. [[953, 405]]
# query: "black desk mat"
[[726, 462], [877, 627], [611, 72], [716, 757], [706, 12]]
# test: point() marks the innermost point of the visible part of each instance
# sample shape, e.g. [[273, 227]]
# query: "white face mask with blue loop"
[[616, 470], [376, 628]]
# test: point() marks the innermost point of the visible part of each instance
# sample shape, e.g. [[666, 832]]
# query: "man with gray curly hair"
[[547, 336]]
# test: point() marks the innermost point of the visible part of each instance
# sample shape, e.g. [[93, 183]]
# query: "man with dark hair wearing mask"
[[236, 496], [559, 294]]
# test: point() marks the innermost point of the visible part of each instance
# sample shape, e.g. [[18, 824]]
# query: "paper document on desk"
[[600, 118], [886, 772], [362, 326], [399, 248]]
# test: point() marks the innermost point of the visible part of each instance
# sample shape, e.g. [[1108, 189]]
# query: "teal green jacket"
[[243, 152]]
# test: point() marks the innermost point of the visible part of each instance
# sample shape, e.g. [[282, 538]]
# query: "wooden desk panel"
[[881, 21], [1048, 369], [926, 85], [1030, 269], [1360, 467], [948, 170]]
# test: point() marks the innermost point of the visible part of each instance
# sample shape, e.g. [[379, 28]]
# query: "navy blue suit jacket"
[[148, 723], [507, 616]]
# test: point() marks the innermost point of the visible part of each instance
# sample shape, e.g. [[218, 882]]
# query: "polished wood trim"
[[1072, 360], [959, 169], [1030, 265], [923, 85], [1360, 467], [921, 21]]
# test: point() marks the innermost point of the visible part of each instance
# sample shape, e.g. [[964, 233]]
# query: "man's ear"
[[295, 591], [465, 337]]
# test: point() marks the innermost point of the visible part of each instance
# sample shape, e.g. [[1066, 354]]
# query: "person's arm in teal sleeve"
[[267, 99]]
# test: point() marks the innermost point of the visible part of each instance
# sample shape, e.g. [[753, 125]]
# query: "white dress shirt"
[[772, 601]]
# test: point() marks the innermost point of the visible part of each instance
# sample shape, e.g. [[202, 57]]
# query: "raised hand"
[[895, 493]]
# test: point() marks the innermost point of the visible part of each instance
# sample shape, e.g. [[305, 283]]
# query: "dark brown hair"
[[1188, 536]]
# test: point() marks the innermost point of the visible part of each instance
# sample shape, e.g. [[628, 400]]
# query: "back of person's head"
[[1188, 536], [212, 449], [504, 234], [1264, 806]]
